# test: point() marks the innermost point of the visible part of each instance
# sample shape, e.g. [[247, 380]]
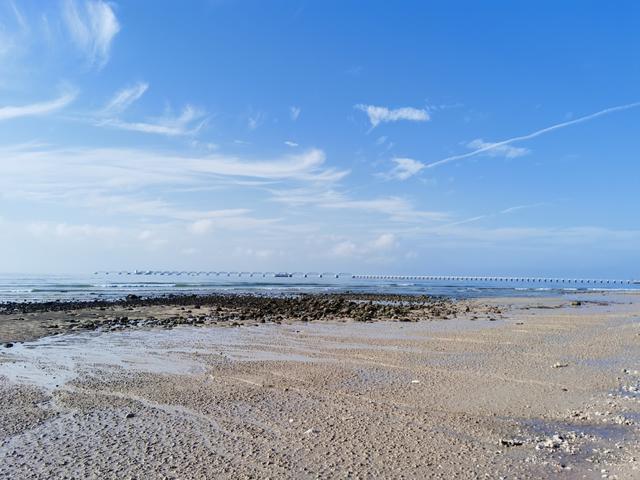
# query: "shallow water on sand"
[[51, 362]]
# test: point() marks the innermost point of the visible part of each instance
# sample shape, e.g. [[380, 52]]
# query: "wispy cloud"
[[523, 207], [550, 236], [349, 248], [507, 151], [496, 145], [378, 115], [294, 112], [46, 170], [256, 119], [14, 29], [66, 230], [37, 109], [92, 26], [505, 211], [143, 184], [123, 98], [189, 122], [396, 208], [289, 143], [20, 19], [405, 168], [383, 242]]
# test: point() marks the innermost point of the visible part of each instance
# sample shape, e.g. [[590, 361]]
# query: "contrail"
[[537, 133]]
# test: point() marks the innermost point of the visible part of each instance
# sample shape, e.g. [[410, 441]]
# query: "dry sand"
[[546, 390]]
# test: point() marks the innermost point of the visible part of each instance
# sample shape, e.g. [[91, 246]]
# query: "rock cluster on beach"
[[232, 310]]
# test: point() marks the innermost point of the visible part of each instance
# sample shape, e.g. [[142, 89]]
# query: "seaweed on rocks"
[[230, 309]]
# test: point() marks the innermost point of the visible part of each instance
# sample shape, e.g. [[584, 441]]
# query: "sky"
[[416, 137]]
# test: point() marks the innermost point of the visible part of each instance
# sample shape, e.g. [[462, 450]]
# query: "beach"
[[322, 386]]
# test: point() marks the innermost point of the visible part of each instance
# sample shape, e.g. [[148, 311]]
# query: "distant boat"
[[283, 275]]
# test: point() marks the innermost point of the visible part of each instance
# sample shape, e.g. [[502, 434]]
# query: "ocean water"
[[114, 286]]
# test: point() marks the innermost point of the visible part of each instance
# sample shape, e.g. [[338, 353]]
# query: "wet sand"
[[544, 389]]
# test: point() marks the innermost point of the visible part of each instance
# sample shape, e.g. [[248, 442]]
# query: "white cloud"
[[124, 98], [37, 109], [289, 143], [151, 239], [523, 207], [495, 150], [92, 26], [118, 180], [65, 230], [255, 120], [396, 208], [294, 113], [258, 253], [405, 168], [303, 166], [344, 249], [145, 235], [378, 115], [189, 122], [201, 227], [383, 242], [348, 248], [226, 219]]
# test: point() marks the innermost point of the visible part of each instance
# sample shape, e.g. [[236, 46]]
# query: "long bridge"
[[432, 278]]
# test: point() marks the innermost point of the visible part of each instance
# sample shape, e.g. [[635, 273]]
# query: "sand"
[[546, 389]]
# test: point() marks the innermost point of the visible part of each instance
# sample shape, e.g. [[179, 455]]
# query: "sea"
[[113, 286]]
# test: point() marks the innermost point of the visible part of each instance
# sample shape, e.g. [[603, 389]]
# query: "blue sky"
[[415, 137]]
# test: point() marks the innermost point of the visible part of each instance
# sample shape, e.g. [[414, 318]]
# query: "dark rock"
[[510, 442]]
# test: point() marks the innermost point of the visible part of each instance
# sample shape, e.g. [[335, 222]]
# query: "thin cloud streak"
[[537, 133], [506, 211], [124, 98], [396, 208], [49, 170], [37, 109], [183, 125], [405, 168]]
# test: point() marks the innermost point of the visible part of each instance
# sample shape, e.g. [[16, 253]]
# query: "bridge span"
[[378, 277]]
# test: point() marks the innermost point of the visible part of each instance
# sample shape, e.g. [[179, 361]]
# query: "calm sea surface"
[[114, 286]]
